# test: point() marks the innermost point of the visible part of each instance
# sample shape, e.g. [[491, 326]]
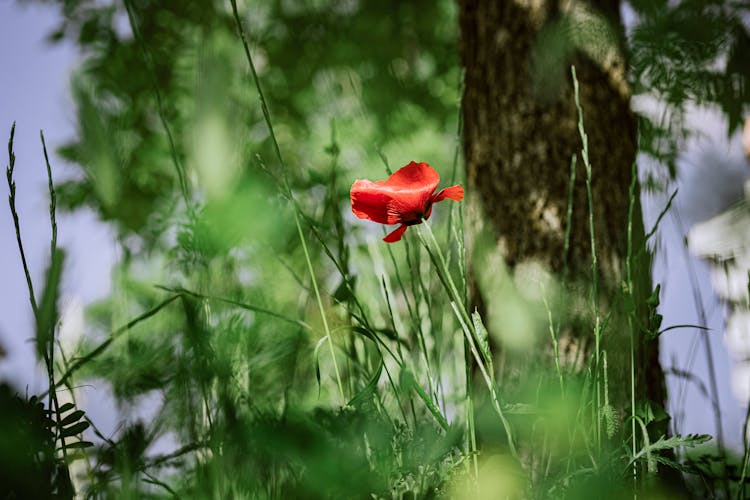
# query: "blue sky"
[[34, 84]]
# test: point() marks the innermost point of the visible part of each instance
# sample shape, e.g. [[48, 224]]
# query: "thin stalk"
[[269, 124], [413, 317], [420, 332], [32, 297], [554, 344], [566, 247], [564, 286], [261, 96], [461, 260], [472, 441], [454, 166], [181, 176], [417, 290], [745, 456], [674, 327], [49, 357], [241, 305], [320, 305], [569, 216], [400, 359], [629, 279], [746, 445], [594, 264], [52, 197], [713, 384], [489, 379], [16, 224], [79, 362], [465, 321], [661, 216], [339, 266]]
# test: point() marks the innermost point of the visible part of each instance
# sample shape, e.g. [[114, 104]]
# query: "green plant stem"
[[745, 456], [52, 196], [416, 324], [287, 189], [181, 176], [629, 280], [555, 347], [50, 354], [461, 260], [488, 378], [594, 264], [79, 362], [418, 286], [472, 441], [646, 450], [16, 223], [48, 351], [569, 217], [320, 305], [241, 305], [456, 154], [418, 290], [746, 445], [433, 248]]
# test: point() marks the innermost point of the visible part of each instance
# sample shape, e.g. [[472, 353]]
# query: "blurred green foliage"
[[385, 72], [213, 304], [692, 52], [27, 465]]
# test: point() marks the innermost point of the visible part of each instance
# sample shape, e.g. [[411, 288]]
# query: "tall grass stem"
[[594, 264], [462, 315], [269, 124]]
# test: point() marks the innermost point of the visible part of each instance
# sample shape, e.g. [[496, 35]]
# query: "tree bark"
[[520, 132]]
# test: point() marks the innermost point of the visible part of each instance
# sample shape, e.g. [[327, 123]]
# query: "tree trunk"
[[520, 132]]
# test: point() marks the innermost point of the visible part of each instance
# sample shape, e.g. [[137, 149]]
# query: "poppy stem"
[[467, 325]]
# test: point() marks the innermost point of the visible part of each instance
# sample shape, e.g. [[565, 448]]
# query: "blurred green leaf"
[[66, 407], [73, 417], [74, 429], [78, 444], [368, 391], [47, 314]]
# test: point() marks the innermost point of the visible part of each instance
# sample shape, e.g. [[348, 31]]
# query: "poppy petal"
[[403, 197], [452, 193], [370, 201], [413, 175], [397, 234], [411, 186]]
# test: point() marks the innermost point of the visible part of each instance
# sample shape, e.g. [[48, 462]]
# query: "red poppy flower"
[[406, 198]]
